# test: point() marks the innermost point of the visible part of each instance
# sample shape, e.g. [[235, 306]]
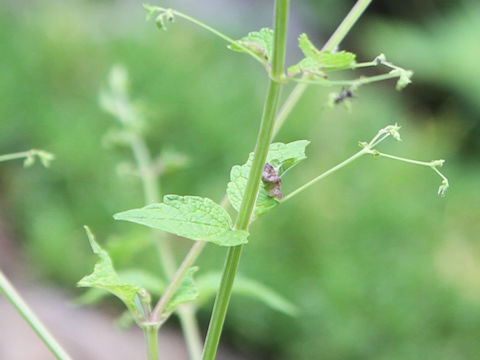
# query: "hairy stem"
[[24, 310], [248, 202]]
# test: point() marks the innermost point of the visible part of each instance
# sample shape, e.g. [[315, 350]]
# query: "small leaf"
[[282, 157], [192, 217], [105, 277], [259, 42], [208, 285], [316, 62], [187, 291], [145, 279], [336, 60], [307, 47], [308, 66]]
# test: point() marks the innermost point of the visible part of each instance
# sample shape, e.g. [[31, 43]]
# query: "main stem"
[[248, 202], [23, 309]]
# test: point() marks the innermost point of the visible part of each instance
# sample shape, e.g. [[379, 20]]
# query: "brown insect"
[[272, 181]]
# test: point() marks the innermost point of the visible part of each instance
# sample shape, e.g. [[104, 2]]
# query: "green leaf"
[[187, 291], [282, 157], [105, 277], [316, 62], [308, 66], [145, 279], [307, 47], [259, 42], [192, 217], [336, 60], [208, 285]]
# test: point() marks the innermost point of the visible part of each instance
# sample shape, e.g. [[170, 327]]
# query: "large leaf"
[[282, 157], [187, 291], [259, 42], [192, 217], [208, 285], [105, 277]]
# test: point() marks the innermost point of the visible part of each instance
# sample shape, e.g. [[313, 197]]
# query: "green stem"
[[248, 202], [430, 164], [331, 44], [151, 337], [325, 174], [7, 289], [368, 148], [346, 25], [213, 31], [150, 184], [357, 82], [19, 155], [177, 279], [288, 106]]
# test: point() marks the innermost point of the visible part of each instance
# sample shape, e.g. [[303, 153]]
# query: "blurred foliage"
[[379, 266]]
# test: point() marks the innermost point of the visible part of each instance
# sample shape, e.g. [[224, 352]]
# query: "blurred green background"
[[379, 265]]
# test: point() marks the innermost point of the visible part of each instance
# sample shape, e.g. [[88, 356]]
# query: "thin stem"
[[346, 25], [331, 44], [355, 83], [434, 164], [151, 337], [288, 106], [325, 174], [248, 202], [150, 184], [213, 31], [19, 155], [188, 321], [411, 161], [177, 279], [368, 148], [7, 289]]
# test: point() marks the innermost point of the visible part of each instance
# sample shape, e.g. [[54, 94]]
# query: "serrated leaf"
[[105, 277], [187, 291], [144, 279], [282, 157], [307, 47], [192, 217], [208, 285], [259, 42], [316, 62]]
